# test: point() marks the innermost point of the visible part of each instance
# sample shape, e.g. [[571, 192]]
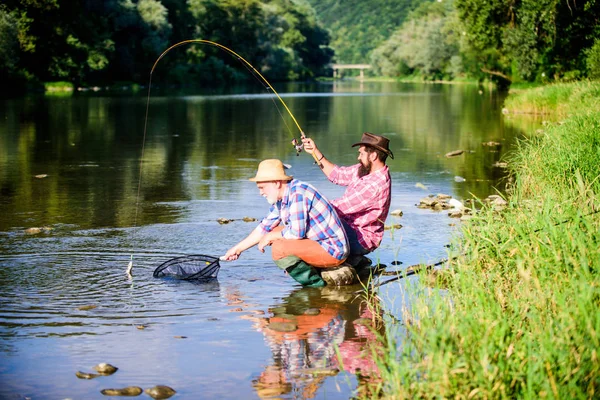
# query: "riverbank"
[[520, 315]]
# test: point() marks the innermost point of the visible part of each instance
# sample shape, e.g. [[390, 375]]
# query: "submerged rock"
[[283, 326], [224, 221], [128, 391], [160, 392], [87, 307], [248, 219], [85, 375], [491, 144], [454, 153]]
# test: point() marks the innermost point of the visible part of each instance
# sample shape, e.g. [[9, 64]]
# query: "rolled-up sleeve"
[[343, 176], [271, 221]]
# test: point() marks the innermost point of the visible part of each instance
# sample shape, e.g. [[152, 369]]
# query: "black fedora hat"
[[376, 141]]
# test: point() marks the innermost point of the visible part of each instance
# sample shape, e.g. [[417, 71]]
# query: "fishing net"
[[194, 267]]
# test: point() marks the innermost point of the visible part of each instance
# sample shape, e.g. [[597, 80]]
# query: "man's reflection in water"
[[303, 333]]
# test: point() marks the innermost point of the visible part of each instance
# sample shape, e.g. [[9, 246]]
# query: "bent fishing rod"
[[416, 268], [295, 142]]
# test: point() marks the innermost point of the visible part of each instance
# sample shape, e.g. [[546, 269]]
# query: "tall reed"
[[521, 318]]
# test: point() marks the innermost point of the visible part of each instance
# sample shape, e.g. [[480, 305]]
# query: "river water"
[[74, 209]]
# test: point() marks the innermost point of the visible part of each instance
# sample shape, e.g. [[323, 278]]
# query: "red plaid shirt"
[[365, 204]]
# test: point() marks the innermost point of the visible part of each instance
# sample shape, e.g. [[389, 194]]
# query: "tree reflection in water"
[[307, 331]]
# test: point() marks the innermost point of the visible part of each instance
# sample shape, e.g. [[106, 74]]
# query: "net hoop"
[[192, 267]]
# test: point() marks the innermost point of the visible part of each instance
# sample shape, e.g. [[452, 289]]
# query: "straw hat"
[[379, 142], [271, 170]]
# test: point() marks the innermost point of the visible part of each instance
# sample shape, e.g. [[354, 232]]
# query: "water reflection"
[[69, 168], [315, 333]]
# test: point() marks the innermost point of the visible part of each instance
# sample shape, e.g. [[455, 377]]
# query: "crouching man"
[[302, 227]]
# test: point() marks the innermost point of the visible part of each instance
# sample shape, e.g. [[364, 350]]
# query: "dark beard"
[[364, 169]]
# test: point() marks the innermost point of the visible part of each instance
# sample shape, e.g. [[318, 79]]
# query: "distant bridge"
[[339, 67]]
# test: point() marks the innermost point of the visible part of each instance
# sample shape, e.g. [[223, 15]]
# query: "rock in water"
[[128, 391], [339, 276], [454, 153], [283, 326], [85, 375], [160, 392], [106, 369]]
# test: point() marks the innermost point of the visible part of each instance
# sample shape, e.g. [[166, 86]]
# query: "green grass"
[[561, 98], [521, 317], [58, 86]]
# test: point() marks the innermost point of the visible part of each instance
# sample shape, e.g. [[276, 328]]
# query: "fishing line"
[[297, 144], [274, 102]]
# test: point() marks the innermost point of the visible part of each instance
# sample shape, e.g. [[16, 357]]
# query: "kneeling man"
[[302, 227]]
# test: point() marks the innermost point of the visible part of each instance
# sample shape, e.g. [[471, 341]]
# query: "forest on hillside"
[[502, 40], [90, 42], [357, 26]]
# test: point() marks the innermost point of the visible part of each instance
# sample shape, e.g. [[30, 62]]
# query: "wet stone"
[[128, 391], [160, 392], [87, 307], [454, 153], [85, 375], [105, 369]]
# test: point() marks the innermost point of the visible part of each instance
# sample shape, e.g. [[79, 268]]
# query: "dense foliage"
[[502, 39], [93, 42], [357, 27]]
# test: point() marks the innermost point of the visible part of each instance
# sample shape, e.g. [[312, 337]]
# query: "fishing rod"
[[295, 142], [415, 269]]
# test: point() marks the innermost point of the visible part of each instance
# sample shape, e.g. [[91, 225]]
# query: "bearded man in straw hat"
[[365, 204], [302, 227]]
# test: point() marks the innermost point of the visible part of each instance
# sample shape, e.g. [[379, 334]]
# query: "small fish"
[[129, 267]]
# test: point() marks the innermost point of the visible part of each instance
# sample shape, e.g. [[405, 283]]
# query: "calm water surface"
[[70, 168]]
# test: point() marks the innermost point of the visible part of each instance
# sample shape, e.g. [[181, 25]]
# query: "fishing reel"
[[298, 146]]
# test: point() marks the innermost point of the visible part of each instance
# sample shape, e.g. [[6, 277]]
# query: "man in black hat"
[[364, 206]]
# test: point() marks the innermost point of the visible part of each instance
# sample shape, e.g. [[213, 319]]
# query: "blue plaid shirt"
[[306, 214]]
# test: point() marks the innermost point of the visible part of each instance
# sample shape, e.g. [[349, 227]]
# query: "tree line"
[[90, 42], [505, 40]]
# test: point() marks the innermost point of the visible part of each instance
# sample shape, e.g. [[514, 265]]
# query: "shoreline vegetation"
[[517, 314]]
